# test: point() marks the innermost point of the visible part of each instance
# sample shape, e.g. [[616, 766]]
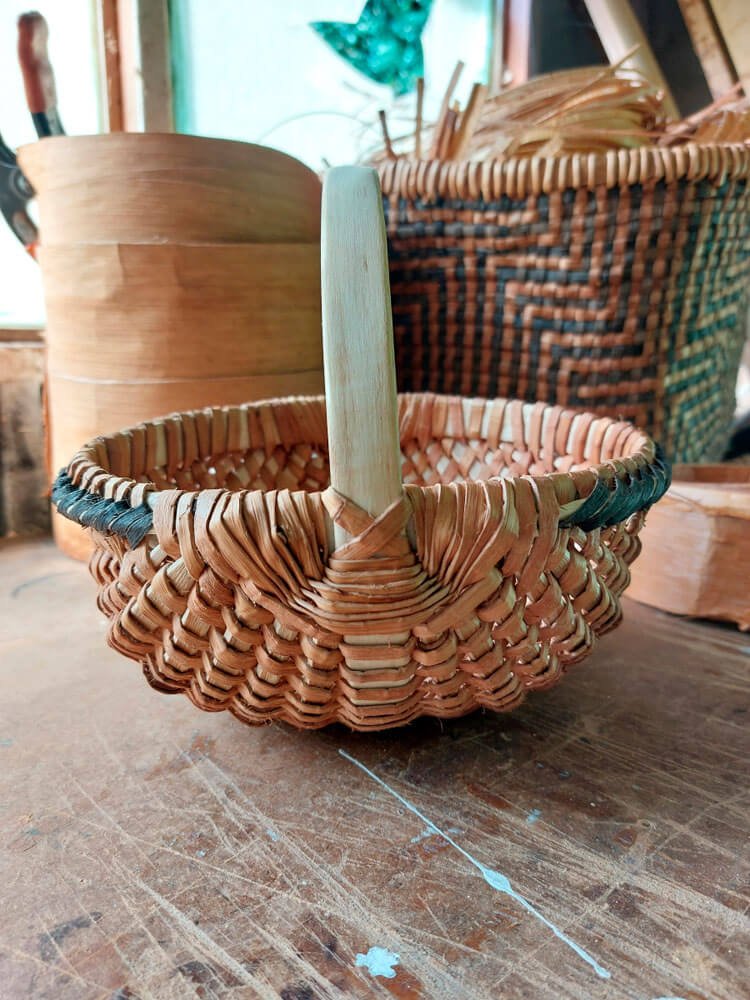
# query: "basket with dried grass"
[[564, 241]]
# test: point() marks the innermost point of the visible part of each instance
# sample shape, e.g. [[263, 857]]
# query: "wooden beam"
[[109, 34], [619, 32], [146, 72], [733, 19], [21, 335], [156, 68], [497, 52], [709, 46], [516, 41]]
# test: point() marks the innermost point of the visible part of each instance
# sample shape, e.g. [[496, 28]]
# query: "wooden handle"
[[38, 78], [359, 365]]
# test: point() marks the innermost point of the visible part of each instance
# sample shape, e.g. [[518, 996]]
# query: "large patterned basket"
[[615, 282], [467, 552]]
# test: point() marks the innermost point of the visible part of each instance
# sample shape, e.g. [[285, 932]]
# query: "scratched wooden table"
[[152, 851]]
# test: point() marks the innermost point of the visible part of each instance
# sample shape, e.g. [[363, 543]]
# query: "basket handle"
[[358, 355]]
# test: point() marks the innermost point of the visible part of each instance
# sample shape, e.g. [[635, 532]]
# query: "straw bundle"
[[567, 112], [591, 109], [588, 110]]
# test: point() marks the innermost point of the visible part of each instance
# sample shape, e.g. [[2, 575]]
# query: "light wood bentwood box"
[[179, 272]]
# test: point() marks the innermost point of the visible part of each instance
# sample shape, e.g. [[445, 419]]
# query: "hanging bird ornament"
[[385, 43]]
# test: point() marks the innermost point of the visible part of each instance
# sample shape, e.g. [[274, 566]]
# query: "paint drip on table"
[[493, 878]]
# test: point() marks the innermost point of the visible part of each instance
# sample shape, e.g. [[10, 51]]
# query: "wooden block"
[[696, 546]]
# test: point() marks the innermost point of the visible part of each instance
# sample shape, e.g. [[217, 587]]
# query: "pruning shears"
[[15, 194], [41, 95]]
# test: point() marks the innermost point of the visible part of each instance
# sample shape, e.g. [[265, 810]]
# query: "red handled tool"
[[38, 78], [41, 96]]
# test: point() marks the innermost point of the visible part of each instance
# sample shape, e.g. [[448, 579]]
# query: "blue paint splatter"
[[6, 741], [533, 815], [495, 879], [379, 962], [200, 853], [272, 834], [499, 881]]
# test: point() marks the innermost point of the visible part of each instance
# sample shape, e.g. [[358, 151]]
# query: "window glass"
[[260, 73]]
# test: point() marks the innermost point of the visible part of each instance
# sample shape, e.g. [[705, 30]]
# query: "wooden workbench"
[[152, 851]]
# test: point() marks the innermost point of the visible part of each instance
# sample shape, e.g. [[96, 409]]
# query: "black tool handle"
[[15, 192]]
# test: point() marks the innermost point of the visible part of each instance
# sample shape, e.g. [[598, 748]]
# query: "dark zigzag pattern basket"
[[615, 283]]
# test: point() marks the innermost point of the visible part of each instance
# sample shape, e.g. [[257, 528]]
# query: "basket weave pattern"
[[616, 283], [461, 594]]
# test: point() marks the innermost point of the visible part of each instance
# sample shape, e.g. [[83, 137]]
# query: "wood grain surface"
[[151, 851]]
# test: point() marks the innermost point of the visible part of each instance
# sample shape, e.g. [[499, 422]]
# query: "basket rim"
[[521, 176], [599, 494]]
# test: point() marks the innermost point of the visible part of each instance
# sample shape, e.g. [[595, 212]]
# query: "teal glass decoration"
[[385, 44]]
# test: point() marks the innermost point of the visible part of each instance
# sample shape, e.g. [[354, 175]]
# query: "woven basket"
[[615, 282], [234, 572]]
